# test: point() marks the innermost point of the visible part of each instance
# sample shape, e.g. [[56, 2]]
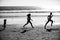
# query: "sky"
[[47, 4]]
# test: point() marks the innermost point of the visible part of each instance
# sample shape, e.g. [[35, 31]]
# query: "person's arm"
[[52, 15], [31, 20], [48, 17]]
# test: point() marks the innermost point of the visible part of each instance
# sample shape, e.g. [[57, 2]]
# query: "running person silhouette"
[[28, 20], [49, 20]]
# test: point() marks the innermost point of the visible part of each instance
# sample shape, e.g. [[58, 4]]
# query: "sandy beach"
[[13, 32]]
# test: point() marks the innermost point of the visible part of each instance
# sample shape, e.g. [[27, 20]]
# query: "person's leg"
[[31, 24], [46, 24], [51, 22], [4, 26], [25, 24]]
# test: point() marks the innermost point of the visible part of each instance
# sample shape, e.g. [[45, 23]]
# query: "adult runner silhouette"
[[49, 20]]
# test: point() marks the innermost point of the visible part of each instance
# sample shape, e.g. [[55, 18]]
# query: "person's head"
[[28, 14], [4, 19], [50, 13]]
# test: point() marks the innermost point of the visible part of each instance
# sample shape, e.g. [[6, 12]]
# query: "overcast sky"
[[47, 4]]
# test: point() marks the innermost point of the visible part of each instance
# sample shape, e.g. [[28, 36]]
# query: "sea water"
[[21, 18]]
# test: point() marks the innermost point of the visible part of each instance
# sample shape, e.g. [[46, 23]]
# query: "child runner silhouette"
[[4, 25], [28, 20], [49, 20]]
